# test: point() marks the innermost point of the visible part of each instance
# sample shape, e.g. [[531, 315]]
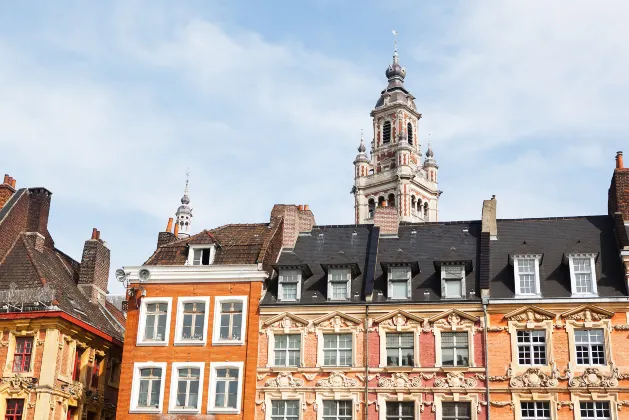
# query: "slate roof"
[[27, 268]]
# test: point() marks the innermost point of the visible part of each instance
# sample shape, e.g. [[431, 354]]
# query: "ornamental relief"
[[285, 321], [337, 380], [587, 314], [284, 380], [534, 377], [529, 315], [18, 382], [402, 380], [455, 380], [592, 377], [454, 320]]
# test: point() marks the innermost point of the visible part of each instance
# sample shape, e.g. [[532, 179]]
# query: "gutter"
[[485, 303], [367, 362]]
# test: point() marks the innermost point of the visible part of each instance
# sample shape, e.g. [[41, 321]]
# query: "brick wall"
[[13, 222], [296, 219], [38, 210], [387, 219], [95, 264], [619, 193]]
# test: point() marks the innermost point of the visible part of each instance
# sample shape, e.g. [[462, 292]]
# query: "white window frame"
[[536, 417], [211, 408], [349, 283], [142, 321], [530, 332], [280, 282], [444, 279], [216, 328], [573, 279], [274, 349], [338, 349], [135, 387], [179, 341], [351, 401], [390, 280], [173, 386], [589, 344], [471, 399], [211, 247], [611, 405], [536, 259]]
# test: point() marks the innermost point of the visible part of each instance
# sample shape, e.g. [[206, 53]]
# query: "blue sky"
[[108, 103]]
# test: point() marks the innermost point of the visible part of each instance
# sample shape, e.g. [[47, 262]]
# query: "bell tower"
[[394, 173]]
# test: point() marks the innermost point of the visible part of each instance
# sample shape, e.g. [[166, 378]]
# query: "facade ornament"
[[621, 327], [534, 377], [361, 377], [530, 316], [337, 380], [622, 403], [496, 329], [286, 322], [511, 404], [568, 404], [310, 376], [592, 377], [39, 342], [587, 313], [424, 404], [284, 380], [4, 343], [504, 377], [262, 405], [399, 380], [18, 382], [455, 380], [261, 376]]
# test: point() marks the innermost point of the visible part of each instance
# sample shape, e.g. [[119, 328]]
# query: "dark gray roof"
[[554, 237]]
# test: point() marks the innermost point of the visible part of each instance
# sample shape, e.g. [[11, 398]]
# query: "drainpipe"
[[366, 362], [485, 301]]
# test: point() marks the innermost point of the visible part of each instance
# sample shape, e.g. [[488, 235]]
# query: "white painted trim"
[[383, 398], [348, 286], [179, 320], [135, 387], [339, 395], [408, 283], [142, 321], [173, 387], [212, 387], [573, 280], [560, 300], [471, 399], [192, 248], [443, 282], [216, 328], [288, 394], [280, 282], [271, 347], [198, 273], [516, 277]]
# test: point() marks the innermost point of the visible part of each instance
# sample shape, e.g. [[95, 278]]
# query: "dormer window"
[[201, 255], [289, 285], [453, 281], [399, 283], [582, 274], [339, 283], [526, 274]]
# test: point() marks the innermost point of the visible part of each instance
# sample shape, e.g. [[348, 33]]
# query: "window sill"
[[398, 368], [151, 343], [284, 368], [453, 368], [184, 411], [190, 343], [223, 411], [146, 410], [228, 343]]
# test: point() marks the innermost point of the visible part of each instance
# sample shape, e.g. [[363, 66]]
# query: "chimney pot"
[[13, 183], [300, 207], [306, 207], [94, 233], [6, 179], [97, 234], [619, 162], [169, 226], [384, 204], [176, 229]]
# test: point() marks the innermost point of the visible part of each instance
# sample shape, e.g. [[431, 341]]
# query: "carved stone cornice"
[[587, 313], [530, 314], [455, 380], [336, 320], [402, 380], [534, 377], [18, 383], [285, 321], [592, 377], [453, 319], [398, 319], [284, 380], [337, 380]]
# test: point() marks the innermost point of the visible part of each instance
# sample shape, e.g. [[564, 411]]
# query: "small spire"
[[362, 147], [185, 199]]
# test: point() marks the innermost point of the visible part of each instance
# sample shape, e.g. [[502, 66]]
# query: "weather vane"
[[394, 41]]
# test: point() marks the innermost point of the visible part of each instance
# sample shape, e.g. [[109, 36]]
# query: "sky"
[[109, 104]]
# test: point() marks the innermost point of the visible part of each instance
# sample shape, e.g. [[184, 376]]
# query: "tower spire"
[[184, 212], [395, 33]]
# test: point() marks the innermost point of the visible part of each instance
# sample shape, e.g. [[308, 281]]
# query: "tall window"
[[337, 349], [150, 386], [386, 132], [76, 368], [526, 276], [595, 410], [193, 321], [400, 349], [455, 411], [231, 320], [285, 410], [590, 347], [399, 282], [337, 410], [96, 371], [287, 350], [188, 380], [391, 200], [531, 347], [226, 388], [409, 132], [155, 326], [23, 354], [400, 410], [371, 205], [535, 410], [454, 349], [338, 283], [582, 272], [15, 409], [289, 283]]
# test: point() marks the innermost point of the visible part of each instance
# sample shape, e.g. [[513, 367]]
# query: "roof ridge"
[[552, 218], [267, 241]]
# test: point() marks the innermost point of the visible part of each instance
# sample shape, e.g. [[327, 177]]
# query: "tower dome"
[[184, 214]]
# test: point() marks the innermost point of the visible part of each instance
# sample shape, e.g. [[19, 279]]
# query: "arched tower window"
[[426, 210], [372, 208], [413, 204], [391, 200], [419, 207], [380, 201], [409, 132], [386, 132]]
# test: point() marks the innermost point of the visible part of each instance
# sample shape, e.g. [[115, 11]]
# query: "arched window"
[[372, 208], [409, 132], [386, 132], [380, 201], [419, 207], [426, 210], [413, 204], [391, 200]]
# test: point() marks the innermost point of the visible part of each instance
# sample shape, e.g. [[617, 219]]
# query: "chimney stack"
[[38, 211], [489, 224], [297, 218], [7, 189], [618, 193], [94, 272], [387, 219], [619, 162], [165, 237]]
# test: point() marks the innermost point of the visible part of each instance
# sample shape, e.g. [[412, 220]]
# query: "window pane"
[[399, 289], [453, 288]]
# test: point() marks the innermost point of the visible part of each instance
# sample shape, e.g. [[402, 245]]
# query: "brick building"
[[193, 318], [61, 342]]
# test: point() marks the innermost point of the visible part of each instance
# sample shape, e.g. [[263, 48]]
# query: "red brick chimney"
[[618, 194], [387, 219], [94, 272], [167, 236], [38, 211], [296, 219], [7, 189]]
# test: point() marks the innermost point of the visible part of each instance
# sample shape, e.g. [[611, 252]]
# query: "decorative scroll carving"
[[534, 377], [587, 313], [568, 404], [455, 380], [336, 322], [402, 380], [361, 377], [496, 329], [337, 380], [530, 315], [284, 380], [75, 389], [504, 377], [592, 377], [453, 320], [18, 382], [286, 321], [621, 404], [511, 404], [621, 327], [424, 404], [426, 325], [261, 376], [310, 376], [399, 320]]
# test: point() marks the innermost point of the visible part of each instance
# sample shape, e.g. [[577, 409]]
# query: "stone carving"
[[286, 322], [453, 321], [496, 329], [504, 377], [310, 376], [592, 377], [568, 404], [620, 404], [18, 382], [75, 389], [621, 327], [587, 315], [511, 404], [455, 380], [423, 405], [399, 380], [399, 320], [337, 380], [534, 377], [284, 380], [336, 322], [361, 377], [261, 376], [529, 315], [426, 326]]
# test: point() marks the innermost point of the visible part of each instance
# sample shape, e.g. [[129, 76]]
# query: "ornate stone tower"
[[394, 174], [183, 216]]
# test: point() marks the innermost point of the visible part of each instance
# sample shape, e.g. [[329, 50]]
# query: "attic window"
[[201, 255], [399, 283], [526, 274], [339, 283], [453, 281], [386, 132], [583, 274], [289, 285]]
